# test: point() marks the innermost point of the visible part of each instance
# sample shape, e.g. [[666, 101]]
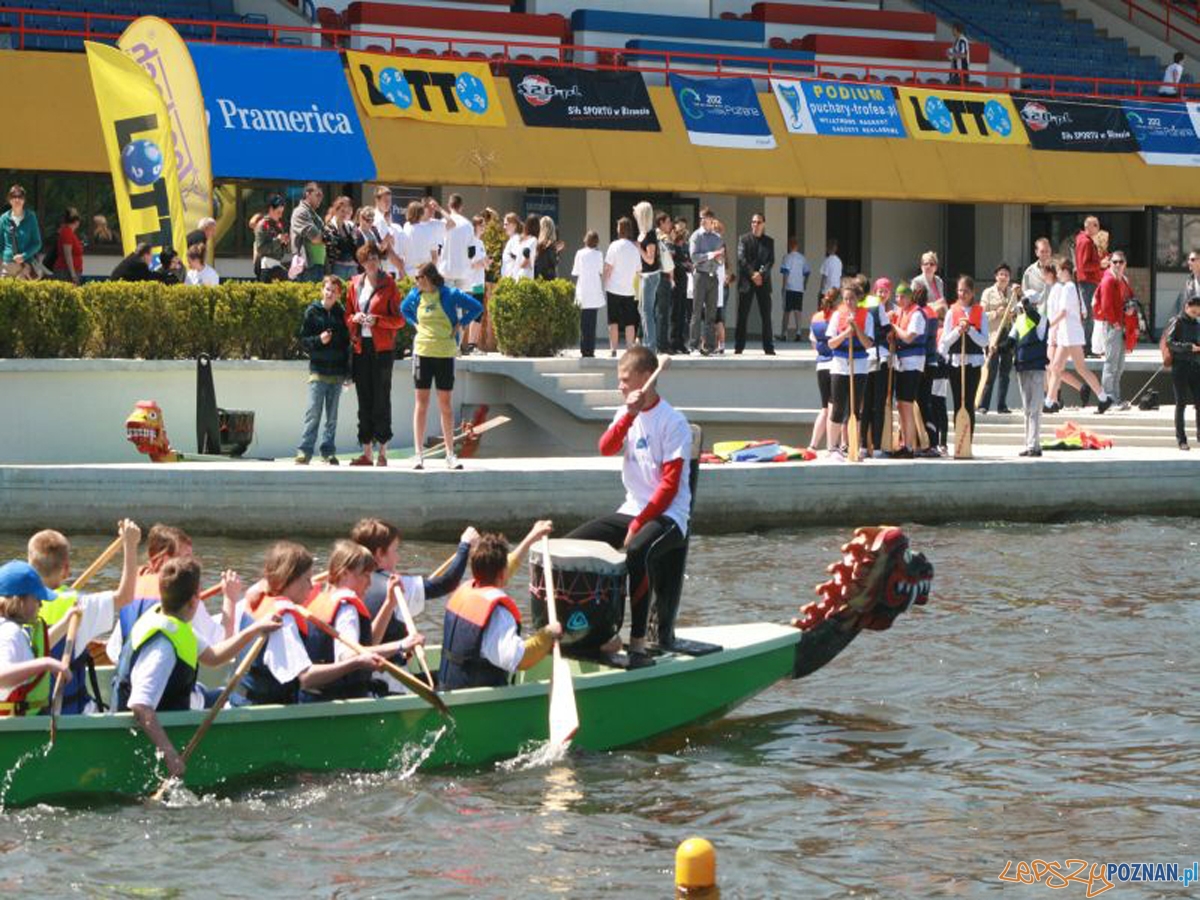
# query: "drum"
[[589, 589]]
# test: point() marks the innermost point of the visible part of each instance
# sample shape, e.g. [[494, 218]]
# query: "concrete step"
[[585, 380], [597, 398]]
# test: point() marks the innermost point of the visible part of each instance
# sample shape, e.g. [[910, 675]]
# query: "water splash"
[[6, 783], [413, 755], [535, 755]]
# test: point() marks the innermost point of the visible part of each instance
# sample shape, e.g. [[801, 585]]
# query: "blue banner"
[[838, 108], [1164, 132], [722, 112], [283, 115]]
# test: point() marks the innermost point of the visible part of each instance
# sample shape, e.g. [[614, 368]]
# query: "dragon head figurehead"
[[877, 578], [146, 430]]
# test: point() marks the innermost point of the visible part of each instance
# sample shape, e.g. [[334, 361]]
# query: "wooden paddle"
[[993, 343], [852, 450], [962, 418], [889, 438], [414, 684], [481, 428], [406, 614], [56, 695], [919, 427], [564, 715], [238, 674]]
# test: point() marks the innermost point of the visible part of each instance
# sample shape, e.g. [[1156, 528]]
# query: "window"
[[1176, 234]]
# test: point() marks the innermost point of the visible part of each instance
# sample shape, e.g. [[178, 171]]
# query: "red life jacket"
[[902, 318], [267, 606], [467, 615], [322, 648], [843, 350], [975, 316], [17, 703]]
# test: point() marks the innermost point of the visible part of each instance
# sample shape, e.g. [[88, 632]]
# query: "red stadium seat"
[[777, 43]]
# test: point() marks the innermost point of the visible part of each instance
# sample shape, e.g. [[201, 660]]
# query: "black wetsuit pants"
[[650, 545]]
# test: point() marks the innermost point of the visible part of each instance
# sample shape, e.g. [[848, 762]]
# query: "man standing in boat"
[[656, 441]]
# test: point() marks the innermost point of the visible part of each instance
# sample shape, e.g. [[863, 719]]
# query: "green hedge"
[[535, 318], [148, 320]]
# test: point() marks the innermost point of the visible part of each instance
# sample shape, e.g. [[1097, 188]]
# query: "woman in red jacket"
[[373, 317]]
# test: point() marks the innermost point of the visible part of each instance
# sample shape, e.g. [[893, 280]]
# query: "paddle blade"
[[922, 431], [962, 434], [889, 435], [852, 439], [564, 715], [983, 377]]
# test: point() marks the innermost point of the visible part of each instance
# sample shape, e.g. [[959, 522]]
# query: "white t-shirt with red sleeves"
[[657, 436]]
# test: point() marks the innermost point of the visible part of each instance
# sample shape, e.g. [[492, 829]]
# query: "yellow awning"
[[60, 131]]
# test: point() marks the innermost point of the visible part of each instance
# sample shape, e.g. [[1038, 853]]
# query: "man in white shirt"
[[1032, 281], [795, 271], [656, 443], [960, 55], [831, 268], [389, 234], [455, 262], [1172, 78]]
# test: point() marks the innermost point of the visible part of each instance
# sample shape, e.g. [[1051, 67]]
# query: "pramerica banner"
[[722, 112], [580, 98], [838, 108], [1072, 125]]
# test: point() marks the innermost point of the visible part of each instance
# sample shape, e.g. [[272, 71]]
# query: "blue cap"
[[18, 578]]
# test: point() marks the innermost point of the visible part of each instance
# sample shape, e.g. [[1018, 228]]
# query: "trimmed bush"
[[148, 320], [533, 317]]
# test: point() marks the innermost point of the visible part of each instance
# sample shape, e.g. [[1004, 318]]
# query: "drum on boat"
[[589, 589]]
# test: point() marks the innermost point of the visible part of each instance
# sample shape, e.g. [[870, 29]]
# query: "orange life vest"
[[975, 316]]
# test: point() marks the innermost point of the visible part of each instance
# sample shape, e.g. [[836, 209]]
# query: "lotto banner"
[[141, 152], [157, 47], [961, 116], [448, 91]]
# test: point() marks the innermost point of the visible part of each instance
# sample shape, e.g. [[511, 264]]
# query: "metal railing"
[[1177, 20], [106, 27]]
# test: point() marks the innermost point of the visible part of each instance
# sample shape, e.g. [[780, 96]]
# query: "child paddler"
[[163, 543], [49, 552], [25, 669], [158, 673], [481, 643], [340, 605], [284, 668]]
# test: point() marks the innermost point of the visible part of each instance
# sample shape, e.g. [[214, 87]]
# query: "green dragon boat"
[[101, 757]]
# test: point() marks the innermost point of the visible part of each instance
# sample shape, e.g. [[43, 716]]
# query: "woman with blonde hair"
[[545, 261], [647, 241]]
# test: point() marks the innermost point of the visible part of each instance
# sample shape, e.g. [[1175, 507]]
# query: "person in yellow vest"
[[341, 606], [158, 674], [481, 637], [163, 542], [49, 552], [26, 670]]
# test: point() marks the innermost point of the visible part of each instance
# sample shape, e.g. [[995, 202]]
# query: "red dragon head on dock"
[[146, 430], [877, 578]]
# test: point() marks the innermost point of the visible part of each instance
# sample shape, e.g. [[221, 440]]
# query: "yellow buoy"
[[695, 865]]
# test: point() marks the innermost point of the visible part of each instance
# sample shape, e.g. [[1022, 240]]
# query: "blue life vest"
[[325, 607], [1031, 349], [259, 686], [177, 695], [843, 349], [820, 329], [467, 615]]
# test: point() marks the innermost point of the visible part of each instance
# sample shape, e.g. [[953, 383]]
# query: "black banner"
[[579, 98], [1069, 125]]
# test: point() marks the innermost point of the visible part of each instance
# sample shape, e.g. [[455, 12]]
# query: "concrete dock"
[[279, 499]]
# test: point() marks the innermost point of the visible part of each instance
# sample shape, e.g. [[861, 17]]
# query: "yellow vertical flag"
[[141, 152], [157, 47]]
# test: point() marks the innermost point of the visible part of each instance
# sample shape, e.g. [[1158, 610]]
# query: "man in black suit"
[[756, 256]]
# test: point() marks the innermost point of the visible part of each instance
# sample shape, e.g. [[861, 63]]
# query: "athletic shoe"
[[1035, 452], [452, 462], [837, 453], [364, 460], [879, 454], [1103, 405], [770, 352], [1183, 445], [1025, 453], [419, 465], [1123, 406], [302, 459], [332, 461], [902, 453], [720, 349], [1004, 410]]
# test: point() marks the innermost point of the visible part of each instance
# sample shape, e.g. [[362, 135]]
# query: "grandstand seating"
[[427, 28], [1040, 36]]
